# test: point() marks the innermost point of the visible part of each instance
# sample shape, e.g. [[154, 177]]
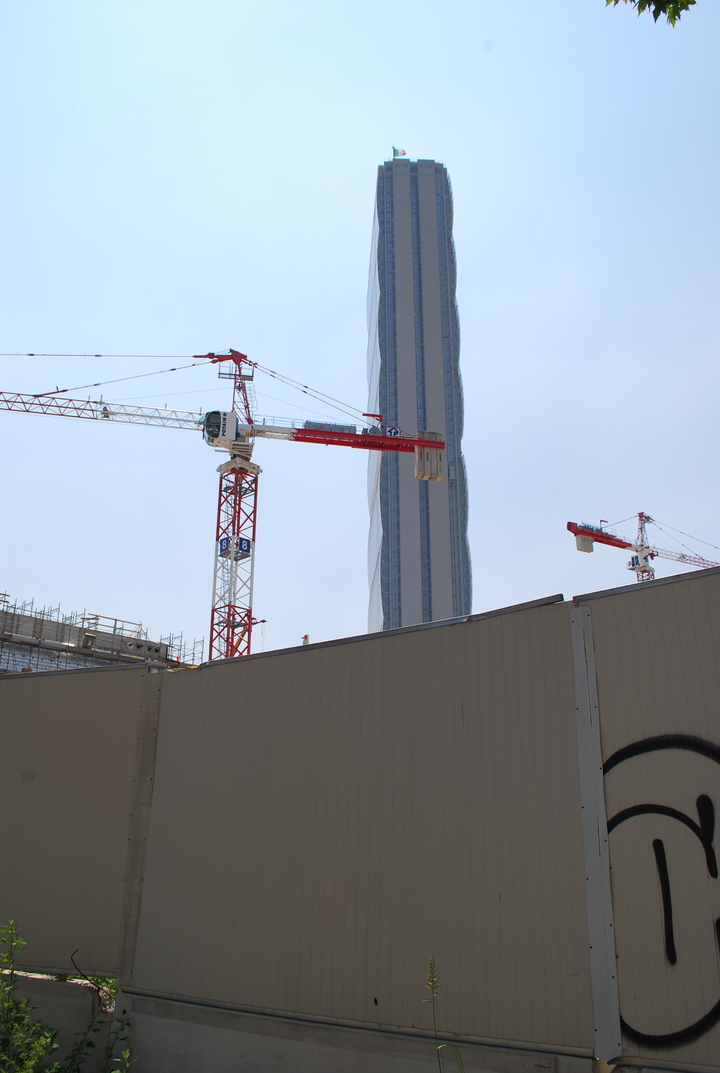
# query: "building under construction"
[[43, 639]]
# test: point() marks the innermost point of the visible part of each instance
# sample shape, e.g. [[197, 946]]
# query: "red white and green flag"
[[398, 152]]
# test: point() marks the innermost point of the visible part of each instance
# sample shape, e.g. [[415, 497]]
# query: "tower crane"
[[233, 433], [642, 552]]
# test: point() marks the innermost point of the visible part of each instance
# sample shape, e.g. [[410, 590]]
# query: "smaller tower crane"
[[642, 552]]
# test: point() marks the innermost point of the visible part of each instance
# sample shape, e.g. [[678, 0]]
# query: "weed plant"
[[432, 983], [26, 1044]]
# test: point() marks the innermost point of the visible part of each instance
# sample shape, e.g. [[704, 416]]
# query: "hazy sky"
[[179, 177]]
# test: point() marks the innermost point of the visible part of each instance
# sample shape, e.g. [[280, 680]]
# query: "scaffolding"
[[45, 639]]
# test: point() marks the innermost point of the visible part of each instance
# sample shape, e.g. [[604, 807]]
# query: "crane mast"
[[231, 617], [233, 433], [640, 561]]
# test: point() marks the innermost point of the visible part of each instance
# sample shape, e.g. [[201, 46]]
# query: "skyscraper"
[[419, 560]]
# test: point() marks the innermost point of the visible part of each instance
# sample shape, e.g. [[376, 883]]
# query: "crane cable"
[[691, 550], [611, 525], [319, 396], [163, 356], [660, 527], [102, 383]]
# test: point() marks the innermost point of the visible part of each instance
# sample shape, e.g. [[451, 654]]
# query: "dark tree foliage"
[[671, 9]]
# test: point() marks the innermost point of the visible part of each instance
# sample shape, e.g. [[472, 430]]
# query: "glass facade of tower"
[[419, 561]]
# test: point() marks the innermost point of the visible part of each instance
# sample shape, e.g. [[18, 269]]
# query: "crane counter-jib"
[[369, 441], [592, 533]]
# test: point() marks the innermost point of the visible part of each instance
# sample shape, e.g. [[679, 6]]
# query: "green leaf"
[[671, 9]]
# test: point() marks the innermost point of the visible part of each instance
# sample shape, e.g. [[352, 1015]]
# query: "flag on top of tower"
[[398, 152]]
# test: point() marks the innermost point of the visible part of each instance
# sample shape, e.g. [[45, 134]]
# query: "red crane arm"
[[597, 534], [369, 441]]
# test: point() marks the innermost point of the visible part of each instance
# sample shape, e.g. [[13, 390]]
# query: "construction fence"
[[527, 796]]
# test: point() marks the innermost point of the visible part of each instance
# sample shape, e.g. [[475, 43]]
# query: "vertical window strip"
[[421, 395], [389, 477], [418, 301], [457, 484]]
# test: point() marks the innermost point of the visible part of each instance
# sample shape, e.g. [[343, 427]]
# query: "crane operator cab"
[[221, 429]]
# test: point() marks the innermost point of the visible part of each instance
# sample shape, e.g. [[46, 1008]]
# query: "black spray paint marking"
[[704, 831], [684, 1035], [661, 862], [664, 741]]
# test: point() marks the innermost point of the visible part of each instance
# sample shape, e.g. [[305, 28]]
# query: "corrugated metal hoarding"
[[658, 669], [69, 761], [299, 832]]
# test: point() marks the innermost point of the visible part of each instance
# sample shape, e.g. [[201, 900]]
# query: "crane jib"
[[97, 410]]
